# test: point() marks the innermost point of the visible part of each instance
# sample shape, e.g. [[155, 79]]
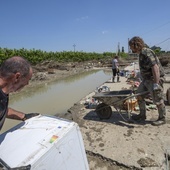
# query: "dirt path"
[[116, 144]]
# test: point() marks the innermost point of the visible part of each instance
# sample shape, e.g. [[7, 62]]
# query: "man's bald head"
[[13, 65]]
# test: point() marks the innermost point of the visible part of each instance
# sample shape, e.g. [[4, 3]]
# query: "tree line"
[[36, 56]]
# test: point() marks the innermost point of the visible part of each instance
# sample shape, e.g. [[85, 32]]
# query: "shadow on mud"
[[116, 118]]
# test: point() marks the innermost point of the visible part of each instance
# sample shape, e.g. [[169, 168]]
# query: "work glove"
[[30, 115], [156, 87]]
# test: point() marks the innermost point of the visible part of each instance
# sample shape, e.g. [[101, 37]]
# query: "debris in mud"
[[40, 76], [147, 162]]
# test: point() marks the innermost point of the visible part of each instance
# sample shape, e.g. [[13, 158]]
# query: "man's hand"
[[156, 86], [30, 115]]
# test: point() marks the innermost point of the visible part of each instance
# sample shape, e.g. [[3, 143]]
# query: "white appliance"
[[43, 143]]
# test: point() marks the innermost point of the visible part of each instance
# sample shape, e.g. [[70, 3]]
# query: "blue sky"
[[92, 25]]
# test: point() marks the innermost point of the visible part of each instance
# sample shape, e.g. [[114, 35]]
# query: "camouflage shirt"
[[147, 59]]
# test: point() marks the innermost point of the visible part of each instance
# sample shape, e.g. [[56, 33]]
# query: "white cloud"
[[104, 32], [82, 18]]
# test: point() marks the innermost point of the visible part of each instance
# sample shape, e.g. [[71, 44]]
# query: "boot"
[[118, 79], [142, 108], [113, 79], [161, 120], [139, 117]]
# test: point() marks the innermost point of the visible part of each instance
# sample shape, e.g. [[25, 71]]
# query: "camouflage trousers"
[[157, 97]]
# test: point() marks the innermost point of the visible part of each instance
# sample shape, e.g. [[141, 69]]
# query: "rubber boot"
[[113, 79], [118, 79], [142, 115], [162, 113]]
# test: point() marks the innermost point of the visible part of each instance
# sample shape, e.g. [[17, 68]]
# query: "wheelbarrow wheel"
[[104, 111]]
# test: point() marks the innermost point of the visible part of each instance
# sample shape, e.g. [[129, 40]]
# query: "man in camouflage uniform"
[[152, 75]]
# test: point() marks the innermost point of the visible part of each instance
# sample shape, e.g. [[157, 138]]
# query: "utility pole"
[[129, 51], [74, 45], [118, 48]]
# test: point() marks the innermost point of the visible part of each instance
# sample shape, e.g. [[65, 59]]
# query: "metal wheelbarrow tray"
[[111, 98]]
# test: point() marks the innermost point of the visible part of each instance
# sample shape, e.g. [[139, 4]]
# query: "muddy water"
[[58, 96]]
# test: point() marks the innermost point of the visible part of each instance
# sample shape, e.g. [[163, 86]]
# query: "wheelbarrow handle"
[[142, 93], [134, 95]]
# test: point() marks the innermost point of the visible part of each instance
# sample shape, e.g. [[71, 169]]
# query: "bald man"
[[15, 73]]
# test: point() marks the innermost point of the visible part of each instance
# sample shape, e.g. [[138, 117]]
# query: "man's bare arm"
[[14, 114], [156, 73]]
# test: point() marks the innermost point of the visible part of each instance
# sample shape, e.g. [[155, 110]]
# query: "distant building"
[[123, 50]]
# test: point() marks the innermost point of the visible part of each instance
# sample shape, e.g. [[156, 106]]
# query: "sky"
[[83, 25]]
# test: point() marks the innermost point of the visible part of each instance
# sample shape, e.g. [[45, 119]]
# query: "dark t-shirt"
[[3, 107]]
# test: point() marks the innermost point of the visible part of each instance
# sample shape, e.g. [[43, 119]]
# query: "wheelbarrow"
[[116, 99]]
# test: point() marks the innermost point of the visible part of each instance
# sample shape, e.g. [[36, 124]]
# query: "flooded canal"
[[57, 96]]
